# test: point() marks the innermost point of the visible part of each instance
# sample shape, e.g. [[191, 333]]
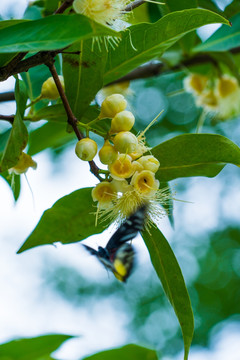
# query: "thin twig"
[[134, 5], [72, 120], [64, 6], [8, 118]]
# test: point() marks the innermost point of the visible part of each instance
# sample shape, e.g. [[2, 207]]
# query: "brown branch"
[[134, 5], [8, 118], [72, 120], [64, 6], [7, 96]]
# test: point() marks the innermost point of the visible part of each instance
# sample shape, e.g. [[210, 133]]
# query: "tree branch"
[[134, 5], [72, 120], [8, 118], [64, 6]]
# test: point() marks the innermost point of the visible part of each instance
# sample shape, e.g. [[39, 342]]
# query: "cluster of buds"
[[130, 179], [219, 96]]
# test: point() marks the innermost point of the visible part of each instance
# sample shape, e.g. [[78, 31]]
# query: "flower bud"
[[122, 167], [49, 89], [149, 162], [122, 121], [112, 105], [24, 163], [104, 193], [125, 142], [86, 149], [108, 153], [144, 182]]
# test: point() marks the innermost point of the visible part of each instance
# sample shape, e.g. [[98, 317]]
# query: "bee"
[[118, 255]]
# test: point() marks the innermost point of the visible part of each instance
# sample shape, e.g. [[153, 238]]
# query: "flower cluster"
[[130, 179], [219, 96], [104, 12]]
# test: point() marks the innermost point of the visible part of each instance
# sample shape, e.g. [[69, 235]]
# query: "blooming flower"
[[24, 163], [122, 167]]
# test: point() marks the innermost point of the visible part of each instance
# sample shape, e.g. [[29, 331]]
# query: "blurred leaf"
[[50, 135], [136, 48], [223, 39], [169, 272], [50, 33], [83, 74], [14, 181], [18, 137], [38, 348], [127, 352], [232, 9], [210, 5], [69, 220], [195, 155]]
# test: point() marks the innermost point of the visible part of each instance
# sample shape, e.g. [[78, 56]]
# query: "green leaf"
[[69, 220], [18, 137], [32, 348], [50, 33], [151, 40], [127, 352], [169, 272], [14, 181], [50, 135], [195, 155], [223, 39], [83, 74]]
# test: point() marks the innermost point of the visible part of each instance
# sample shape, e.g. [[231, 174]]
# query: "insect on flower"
[[118, 255]]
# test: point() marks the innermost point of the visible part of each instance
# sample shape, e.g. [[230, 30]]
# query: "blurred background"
[[61, 289]]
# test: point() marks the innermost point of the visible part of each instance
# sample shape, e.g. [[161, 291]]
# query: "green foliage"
[[38, 348], [70, 219], [170, 274], [91, 55], [128, 352]]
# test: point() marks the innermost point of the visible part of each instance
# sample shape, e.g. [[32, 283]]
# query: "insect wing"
[[128, 230], [101, 255]]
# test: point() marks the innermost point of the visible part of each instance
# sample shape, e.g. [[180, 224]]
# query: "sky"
[[28, 308]]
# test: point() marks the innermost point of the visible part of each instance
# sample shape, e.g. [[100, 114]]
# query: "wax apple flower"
[[195, 83], [122, 121], [149, 162], [112, 105], [24, 163], [104, 193], [122, 167], [108, 154], [144, 182], [49, 89], [102, 11], [86, 149], [125, 142]]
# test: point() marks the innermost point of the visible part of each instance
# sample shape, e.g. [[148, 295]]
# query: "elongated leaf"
[[37, 348], [69, 220], [50, 33], [151, 40], [17, 140], [223, 39], [127, 352], [195, 155], [169, 272], [14, 181], [83, 74]]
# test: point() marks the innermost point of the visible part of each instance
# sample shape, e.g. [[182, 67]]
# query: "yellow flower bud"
[[144, 182], [137, 166], [104, 192], [195, 83], [226, 85], [108, 153], [86, 149], [24, 163], [149, 162], [112, 105], [121, 168], [121, 185], [125, 142], [49, 89], [122, 121]]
